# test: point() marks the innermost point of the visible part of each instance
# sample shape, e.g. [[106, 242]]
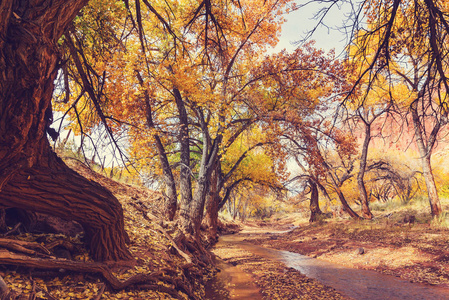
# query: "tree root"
[[151, 218], [137, 281], [23, 246], [52, 188]]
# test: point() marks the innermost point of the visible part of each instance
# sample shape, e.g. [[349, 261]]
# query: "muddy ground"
[[269, 279]]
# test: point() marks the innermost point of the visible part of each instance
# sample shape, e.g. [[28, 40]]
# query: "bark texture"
[[425, 148], [315, 210], [185, 181], [366, 212], [32, 177], [212, 203]]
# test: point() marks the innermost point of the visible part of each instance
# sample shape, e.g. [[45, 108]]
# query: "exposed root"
[[151, 218], [23, 246], [138, 281]]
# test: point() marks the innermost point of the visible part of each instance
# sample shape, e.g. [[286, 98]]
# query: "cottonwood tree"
[[202, 97], [409, 39], [32, 177], [364, 111], [179, 91], [325, 151]]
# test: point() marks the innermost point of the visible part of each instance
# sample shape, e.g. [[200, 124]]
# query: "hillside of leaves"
[[171, 273]]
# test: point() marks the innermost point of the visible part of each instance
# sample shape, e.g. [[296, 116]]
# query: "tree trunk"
[[345, 205], [51, 187], [32, 177], [185, 185], [366, 212], [170, 185], [425, 152], [337, 188], [315, 210], [432, 191], [212, 203]]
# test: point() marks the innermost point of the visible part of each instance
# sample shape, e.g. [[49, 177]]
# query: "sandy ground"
[[416, 252]]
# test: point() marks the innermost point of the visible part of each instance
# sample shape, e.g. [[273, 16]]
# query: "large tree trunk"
[[32, 177], [208, 164], [3, 226], [366, 212], [315, 210], [53, 188]]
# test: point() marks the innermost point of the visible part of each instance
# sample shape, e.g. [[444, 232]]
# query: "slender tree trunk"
[[32, 177], [315, 210], [366, 212], [171, 203], [337, 188], [425, 152], [342, 198], [169, 180], [185, 185]]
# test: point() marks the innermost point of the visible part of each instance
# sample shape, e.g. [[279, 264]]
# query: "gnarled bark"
[[32, 177], [53, 188]]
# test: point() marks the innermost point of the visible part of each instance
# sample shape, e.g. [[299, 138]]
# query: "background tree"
[[409, 46]]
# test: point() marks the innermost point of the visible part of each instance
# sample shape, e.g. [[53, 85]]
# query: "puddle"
[[354, 283]]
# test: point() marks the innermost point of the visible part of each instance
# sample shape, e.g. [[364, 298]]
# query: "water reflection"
[[361, 284], [232, 283], [354, 283]]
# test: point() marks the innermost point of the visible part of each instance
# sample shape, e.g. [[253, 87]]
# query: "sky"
[[301, 21]]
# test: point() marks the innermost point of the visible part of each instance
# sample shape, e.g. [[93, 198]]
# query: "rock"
[[361, 251], [409, 219]]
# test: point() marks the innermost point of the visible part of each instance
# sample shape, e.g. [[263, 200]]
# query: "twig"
[[33, 291], [50, 297], [100, 293], [16, 227]]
